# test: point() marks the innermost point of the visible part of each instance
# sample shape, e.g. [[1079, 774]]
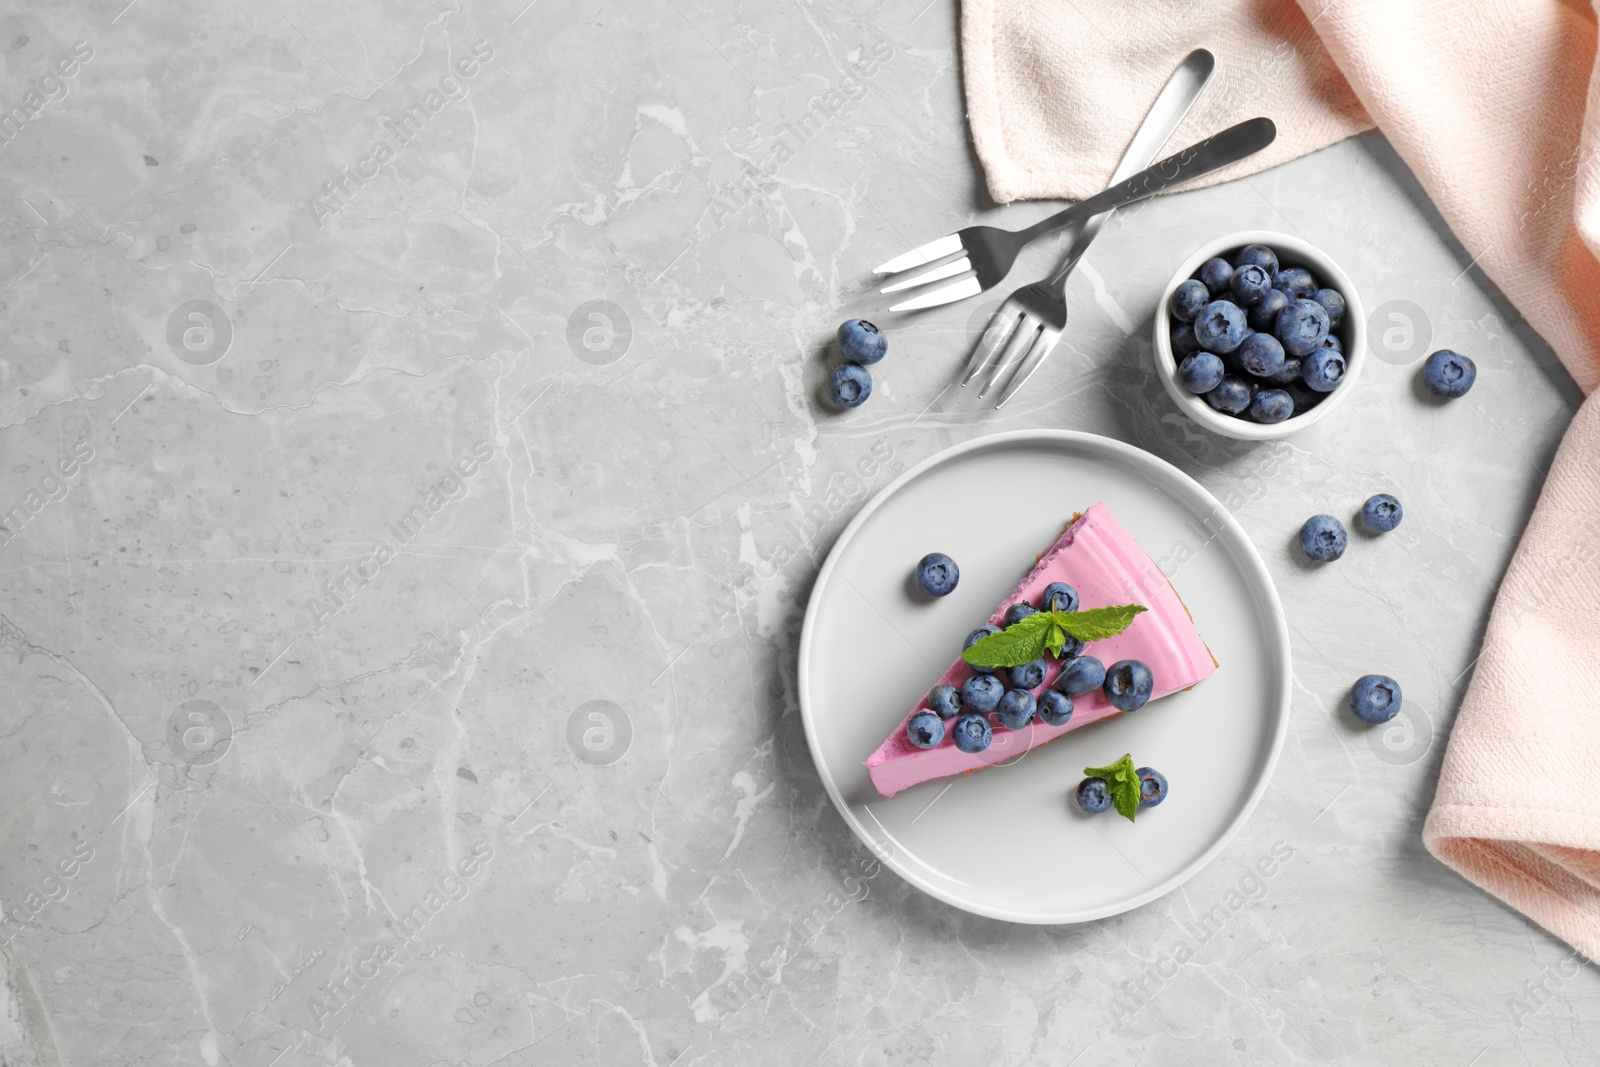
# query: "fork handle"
[[1215, 152]]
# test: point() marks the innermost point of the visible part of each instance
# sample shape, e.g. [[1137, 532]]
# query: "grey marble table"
[[414, 475]]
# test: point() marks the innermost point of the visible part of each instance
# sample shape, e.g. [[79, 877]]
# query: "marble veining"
[[414, 472]]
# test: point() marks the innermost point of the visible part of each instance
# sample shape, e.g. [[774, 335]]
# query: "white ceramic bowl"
[[1292, 252]]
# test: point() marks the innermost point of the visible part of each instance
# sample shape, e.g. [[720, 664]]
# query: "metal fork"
[[1171, 105], [989, 251], [1029, 324]]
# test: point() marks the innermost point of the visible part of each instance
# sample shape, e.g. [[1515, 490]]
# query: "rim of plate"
[[895, 858]]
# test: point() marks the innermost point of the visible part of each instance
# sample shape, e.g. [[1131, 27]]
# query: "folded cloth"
[[1056, 89], [1495, 107]]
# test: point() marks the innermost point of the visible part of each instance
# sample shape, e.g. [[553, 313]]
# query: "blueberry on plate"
[[1188, 298], [849, 385], [1019, 611], [982, 692], [1446, 373], [1053, 707], [1216, 273], [1289, 372], [1332, 302], [1201, 372], [945, 700], [1152, 787], [973, 638], [1323, 370], [1295, 282], [1264, 312], [1058, 596], [1271, 405], [1249, 285], [1094, 796], [1028, 675], [1375, 699], [937, 574], [1128, 684], [1381, 513], [972, 733], [925, 729], [1323, 538], [1231, 397], [1261, 355], [1183, 340], [1258, 255], [1015, 709], [1220, 326], [862, 342], [1301, 327], [1082, 675]]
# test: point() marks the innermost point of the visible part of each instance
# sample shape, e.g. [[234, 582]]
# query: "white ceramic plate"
[[1006, 841]]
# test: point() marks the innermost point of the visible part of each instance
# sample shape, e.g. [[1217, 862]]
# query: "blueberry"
[[1201, 372], [1261, 355], [1054, 708], [1446, 373], [945, 700], [982, 692], [937, 574], [1094, 796], [1152, 787], [1183, 341], [1295, 282], [1264, 312], [1381, 513], [1305, 398], [1323, 370], [1188, 298], [1301, 327], [1332, 302], [1220, 326], [1015, 709], [1259, 255], [1128, 684], [973, 638], [1216, 273], [1289, 372], [1249, 285], [972, 733], [1271, 405], [849, 385], [1322, 538], [1028, 675], [1082, 675], [1375, 699], [925, 729], [1231, 397], [1058, 596], [1019, 611], [862, 342], [1332, 341], [1070, 648]]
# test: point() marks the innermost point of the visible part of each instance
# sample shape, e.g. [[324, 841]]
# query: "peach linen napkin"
[[1495, 106]]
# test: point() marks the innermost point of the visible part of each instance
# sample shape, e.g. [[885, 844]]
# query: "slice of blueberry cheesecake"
[[975, 717]]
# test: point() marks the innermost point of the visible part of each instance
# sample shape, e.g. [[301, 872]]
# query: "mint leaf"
[[1097, 624], [1122, 780], [1021, 642], [1025, 641]]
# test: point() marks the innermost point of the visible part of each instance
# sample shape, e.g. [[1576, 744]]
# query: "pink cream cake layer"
[[1107, 566]]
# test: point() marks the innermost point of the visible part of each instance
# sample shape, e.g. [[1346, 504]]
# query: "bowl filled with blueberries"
[[1259, 335]]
